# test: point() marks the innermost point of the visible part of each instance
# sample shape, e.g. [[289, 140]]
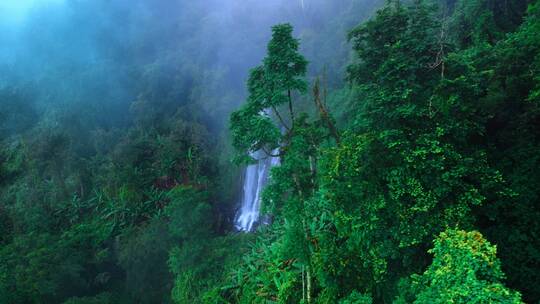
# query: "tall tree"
[[271, 86]]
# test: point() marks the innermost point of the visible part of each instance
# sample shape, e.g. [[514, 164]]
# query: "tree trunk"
[[308, 275], [291, 107], [323, 112]]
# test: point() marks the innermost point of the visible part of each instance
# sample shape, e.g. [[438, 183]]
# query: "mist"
[[101, 56]]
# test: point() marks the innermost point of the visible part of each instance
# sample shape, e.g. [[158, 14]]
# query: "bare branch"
[[324, 112], [280, 118], [440, 56]]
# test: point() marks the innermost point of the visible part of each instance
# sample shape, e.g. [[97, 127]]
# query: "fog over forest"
[[103, 55], [269, 151]]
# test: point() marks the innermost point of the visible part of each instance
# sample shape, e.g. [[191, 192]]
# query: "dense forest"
[[407, 137]]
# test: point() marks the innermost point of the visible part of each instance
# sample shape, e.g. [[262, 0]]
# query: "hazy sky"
[[15, 11]]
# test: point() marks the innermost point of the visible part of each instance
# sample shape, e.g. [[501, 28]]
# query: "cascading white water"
[[255, 178]]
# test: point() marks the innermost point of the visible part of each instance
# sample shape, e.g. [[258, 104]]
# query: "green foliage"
[[418, 157], [188, 213], [465, 269], [514, 137], [143, 254], [40, 267], [199, 265], [481, 21], [439, 132], [103, 298], [77, 224], [357, 298]]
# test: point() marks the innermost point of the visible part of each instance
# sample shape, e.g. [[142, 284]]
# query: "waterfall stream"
[[255, 178]]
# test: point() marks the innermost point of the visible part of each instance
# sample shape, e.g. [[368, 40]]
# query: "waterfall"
[[255, 178]]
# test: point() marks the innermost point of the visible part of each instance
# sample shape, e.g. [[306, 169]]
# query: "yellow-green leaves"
[[465, 269]]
